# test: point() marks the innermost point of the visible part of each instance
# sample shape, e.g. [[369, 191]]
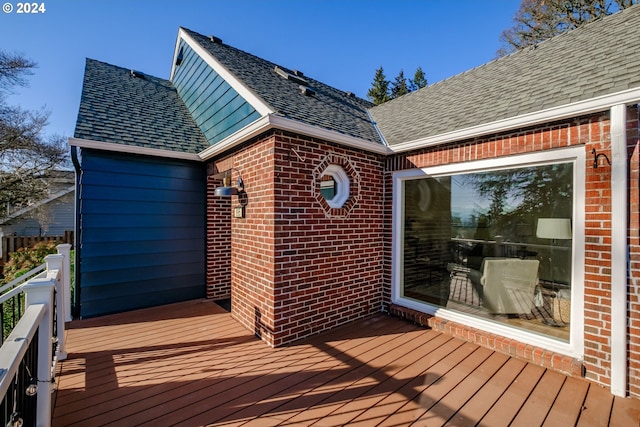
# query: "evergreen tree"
[[419, 80], [379, 91], [382, 90], [399, 86]]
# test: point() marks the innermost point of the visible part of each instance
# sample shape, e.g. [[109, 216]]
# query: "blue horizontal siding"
[[231, 125], [135, 165], [104, 280], [106, 192], [113, 248], [141, 260], [128, 180], [99, 206], [115, 234], [137, 295], [215, 106], [142, 232], [148, 221]]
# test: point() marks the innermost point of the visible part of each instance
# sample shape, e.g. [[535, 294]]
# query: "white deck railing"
[[46, 295]]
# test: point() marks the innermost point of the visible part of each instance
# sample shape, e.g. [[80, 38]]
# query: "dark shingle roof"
[[600, 58], [329, 108], [146, 112]]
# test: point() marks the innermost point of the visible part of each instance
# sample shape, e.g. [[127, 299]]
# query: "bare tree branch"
[[13, 70], [538, 20], [26, 155]]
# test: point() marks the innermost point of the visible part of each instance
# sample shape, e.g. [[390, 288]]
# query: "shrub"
[[26, 259]]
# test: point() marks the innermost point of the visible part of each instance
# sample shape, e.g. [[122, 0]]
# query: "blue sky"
[[339, 42]]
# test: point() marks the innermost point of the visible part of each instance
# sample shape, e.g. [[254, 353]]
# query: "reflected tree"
[[517, 195]]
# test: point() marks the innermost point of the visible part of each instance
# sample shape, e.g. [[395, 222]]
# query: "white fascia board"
[[131, 149], [175, 55], [273, 121], [253, 129], [328, 135], [593, 105], [256, 102], [375, 126]]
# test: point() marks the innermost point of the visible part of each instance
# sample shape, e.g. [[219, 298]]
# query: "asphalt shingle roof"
[[329, 108], [147, 112], [600, 58]]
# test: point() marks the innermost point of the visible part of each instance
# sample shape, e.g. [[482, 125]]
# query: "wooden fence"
[[13, 243]]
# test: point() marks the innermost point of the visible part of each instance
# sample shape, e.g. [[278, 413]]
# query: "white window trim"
[[341, 184], [575, 346]]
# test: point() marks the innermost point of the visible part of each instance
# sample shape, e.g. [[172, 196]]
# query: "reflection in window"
[[328, 187], [495, 244]]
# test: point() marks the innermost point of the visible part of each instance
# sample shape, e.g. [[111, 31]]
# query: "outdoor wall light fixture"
[[227, 190], [596, 156]]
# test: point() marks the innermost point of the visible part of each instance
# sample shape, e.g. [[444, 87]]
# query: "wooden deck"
[[191, 364]]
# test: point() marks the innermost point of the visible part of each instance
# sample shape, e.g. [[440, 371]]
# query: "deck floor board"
[[192, 364]]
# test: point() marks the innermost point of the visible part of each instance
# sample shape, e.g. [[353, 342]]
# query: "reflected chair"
[[508, 285]]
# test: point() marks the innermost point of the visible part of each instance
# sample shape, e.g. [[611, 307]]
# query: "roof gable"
[[130, 108], [301, 99], [600, 58], [216, 107]]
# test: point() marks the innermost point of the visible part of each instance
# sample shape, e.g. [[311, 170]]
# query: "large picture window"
[[495, 245]]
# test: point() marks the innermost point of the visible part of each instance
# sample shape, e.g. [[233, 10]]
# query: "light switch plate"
[[238, 212]]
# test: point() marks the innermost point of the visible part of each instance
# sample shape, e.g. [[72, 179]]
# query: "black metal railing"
[[18, 408], [10, 313], [33, 316], [12, 309]]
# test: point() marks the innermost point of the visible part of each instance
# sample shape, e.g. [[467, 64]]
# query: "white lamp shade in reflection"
[[554, 228]]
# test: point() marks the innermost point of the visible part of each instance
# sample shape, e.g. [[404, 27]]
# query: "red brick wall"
[[250, 241], [218, 242], [597, 277], [297, 266], [592, 132], [328, 261]]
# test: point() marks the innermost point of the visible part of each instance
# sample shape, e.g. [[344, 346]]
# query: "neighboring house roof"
[[58, 182], [144, 111], [22, 211], [327, 107], [600, 58]]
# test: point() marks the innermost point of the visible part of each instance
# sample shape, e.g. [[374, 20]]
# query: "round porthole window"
[[334, 186]]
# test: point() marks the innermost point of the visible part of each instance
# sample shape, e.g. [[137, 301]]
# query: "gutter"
[[375, 126], [592, 105], [273, 121], [131, 149], [263, 124], [619, 250], [75, 304]]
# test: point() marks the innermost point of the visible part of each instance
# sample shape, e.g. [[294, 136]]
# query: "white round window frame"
[[341, 184]]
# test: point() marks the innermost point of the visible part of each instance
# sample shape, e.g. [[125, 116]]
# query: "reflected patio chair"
[[509, 285]]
